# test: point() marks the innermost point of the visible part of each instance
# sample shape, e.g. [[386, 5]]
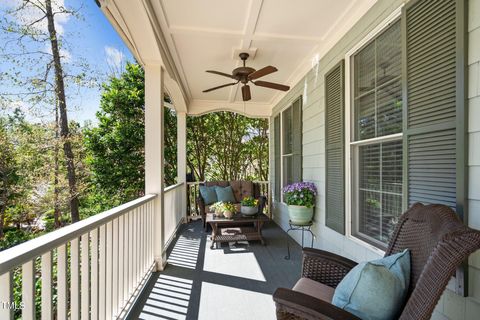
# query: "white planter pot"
[[249, 211], [300, 215]]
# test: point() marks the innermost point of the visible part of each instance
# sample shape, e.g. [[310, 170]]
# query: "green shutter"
[[434, 125], [277, 160], [297, 140], [335, 148]]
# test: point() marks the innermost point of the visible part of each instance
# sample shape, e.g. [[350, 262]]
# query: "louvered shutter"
[[335, 148], [434, 123], [434, 119]]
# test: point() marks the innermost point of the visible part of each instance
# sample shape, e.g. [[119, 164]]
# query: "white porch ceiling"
[[202, 35]]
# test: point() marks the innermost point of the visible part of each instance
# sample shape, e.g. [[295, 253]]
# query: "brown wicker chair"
[[439, 243]]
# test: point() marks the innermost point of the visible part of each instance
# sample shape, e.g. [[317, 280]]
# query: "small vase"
[[300, 215], [249, 211], [228, 214]]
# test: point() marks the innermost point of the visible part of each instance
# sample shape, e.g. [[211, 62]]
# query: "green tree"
[[227, 146], [116, 152], [8, 174], [33, 44]]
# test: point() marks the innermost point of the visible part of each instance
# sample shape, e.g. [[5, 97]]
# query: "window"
[[376, 141], [288, 146], [277, 160]]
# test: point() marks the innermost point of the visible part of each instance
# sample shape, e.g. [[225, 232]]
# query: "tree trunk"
[[2, 218], [56, 189], [62, 106]]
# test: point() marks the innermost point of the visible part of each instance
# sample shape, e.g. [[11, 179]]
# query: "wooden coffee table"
[[238, 228]]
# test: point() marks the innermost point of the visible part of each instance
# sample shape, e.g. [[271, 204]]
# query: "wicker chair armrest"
[[296, 305], [325, 267]]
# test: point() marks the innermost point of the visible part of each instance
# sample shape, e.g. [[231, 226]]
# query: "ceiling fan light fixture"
[[245, 75]]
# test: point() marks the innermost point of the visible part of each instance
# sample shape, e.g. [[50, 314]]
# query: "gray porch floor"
[[235, 281]]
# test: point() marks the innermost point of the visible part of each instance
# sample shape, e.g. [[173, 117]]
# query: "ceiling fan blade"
[[246, 93], [262, 72], [222, 86], [221, 73], [271, 85]]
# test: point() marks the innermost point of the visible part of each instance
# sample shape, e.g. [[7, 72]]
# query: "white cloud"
[[114, 57]]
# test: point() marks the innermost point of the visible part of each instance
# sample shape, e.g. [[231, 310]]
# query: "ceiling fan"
[[245, 75]]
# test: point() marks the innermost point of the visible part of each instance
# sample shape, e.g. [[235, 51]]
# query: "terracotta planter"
[[249, 211], [300, 215]]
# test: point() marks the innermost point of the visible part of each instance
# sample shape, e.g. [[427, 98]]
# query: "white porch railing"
[[174, 210], [94, 267]]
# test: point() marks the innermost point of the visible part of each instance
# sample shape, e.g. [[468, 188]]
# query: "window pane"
[[365, 112], [278, 158], [377, 74], [389, 114], [364, 70], [287, 170], [380, 189], [287, 131], [388, 53]]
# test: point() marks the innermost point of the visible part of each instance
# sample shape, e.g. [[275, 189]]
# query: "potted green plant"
[[228, 210], [249, 206], [300, 198], [217, 208]]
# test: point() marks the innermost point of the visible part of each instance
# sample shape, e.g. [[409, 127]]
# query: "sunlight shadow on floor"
[[169, 299], [185, 253]]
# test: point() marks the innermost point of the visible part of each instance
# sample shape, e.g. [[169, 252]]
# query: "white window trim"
[[349, 143]]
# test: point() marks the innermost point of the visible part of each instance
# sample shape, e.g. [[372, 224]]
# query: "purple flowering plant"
[[300, 194]]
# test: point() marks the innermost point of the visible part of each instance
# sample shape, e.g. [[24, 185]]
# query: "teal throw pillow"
[[225, 194], [375, 290], [208, 194]]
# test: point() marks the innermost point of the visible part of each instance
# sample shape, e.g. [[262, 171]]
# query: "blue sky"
[[92, 39]]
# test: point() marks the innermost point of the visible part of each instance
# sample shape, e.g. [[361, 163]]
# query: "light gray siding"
[[451, 306]]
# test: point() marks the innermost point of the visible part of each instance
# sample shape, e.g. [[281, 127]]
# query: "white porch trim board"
[[154, 146]]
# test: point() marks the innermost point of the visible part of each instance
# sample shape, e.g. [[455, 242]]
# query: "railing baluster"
[[135, 248], [102, 272], [28, 290], [115, 268], [130, 251], [46, 268], [94, 274], [121, 257], [85, 285], [62, 292], [6, 295], [142, 234], [152, 230], [108, 282], [74, 279], [126, 259]]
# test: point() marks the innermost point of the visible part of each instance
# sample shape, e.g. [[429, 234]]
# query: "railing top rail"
[[27, 251], [173, 186], [199, 182]]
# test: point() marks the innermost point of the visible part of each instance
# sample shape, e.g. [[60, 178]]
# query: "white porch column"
[[182, 157], [154, 164]]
